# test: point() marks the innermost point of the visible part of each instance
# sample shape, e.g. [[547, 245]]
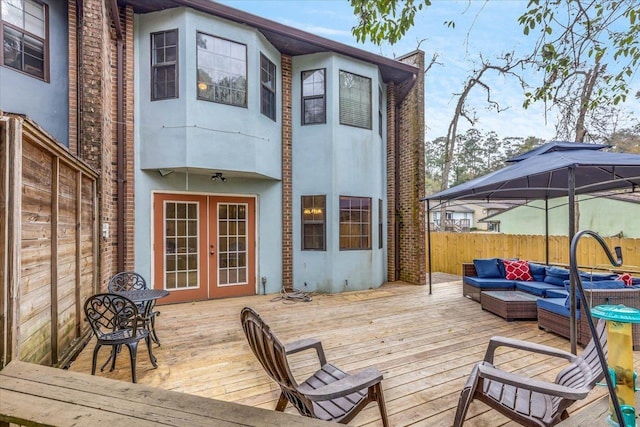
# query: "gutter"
[[399, 100], [120, 208]]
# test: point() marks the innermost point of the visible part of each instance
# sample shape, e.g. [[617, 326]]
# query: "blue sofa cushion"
[[487, 268], [537, 271], [600, 284], [558, 292], [555, 305], [556, 275], [489, 282], [536, 288], [595, 277]]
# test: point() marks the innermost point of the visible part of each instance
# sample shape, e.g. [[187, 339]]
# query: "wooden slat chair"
[[132, 281], [528, 401], [330, 394]]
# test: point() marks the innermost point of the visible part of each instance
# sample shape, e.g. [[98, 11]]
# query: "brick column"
[[287, 205], [95, 125], [391, 182], [73, 77], [411, 176], [129, 218]]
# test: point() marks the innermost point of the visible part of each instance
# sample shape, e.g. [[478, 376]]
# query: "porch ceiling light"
[[165, 172], [218, 176]]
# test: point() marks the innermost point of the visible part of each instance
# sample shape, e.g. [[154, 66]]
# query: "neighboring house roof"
[[288, 40]]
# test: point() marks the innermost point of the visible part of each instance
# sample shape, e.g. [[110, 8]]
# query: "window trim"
[[370, 127], [304, 98], [369, 231], [246, 71], [303, 223], [45, 43], [273, 91], [165, 64]]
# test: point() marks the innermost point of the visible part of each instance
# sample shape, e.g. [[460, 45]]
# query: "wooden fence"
[[450, 250], [48, 245]]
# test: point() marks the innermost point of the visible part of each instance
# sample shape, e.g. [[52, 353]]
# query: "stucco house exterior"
[[235, 155]]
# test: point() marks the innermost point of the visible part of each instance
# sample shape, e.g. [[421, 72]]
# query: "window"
[[267, 87], [380, 224], [355, 223], [380, 112], [313, 97], [222, 70], [164, 65], [181, 245], [313, 223], [24, 36], [355, 100]]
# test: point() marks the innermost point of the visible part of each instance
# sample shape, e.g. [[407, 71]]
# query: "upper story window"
[[355, 100], [24, 36], [222, 70], [313, 223], [164, 65], [313, 97], [355, 223], [267, 87]]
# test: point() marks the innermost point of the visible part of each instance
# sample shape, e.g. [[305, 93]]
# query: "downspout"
[[120, 241], [396, 224]]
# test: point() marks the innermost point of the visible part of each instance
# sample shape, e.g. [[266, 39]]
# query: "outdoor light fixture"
[[165, 172], [202, 86], [218, 175]]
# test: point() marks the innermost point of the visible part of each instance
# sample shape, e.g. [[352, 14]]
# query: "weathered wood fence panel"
[[450, 250], [48, 245]]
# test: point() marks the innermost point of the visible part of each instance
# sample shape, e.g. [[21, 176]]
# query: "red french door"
[[204, 246]]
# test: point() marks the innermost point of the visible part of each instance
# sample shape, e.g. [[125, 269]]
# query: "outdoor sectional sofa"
[[551, 285]]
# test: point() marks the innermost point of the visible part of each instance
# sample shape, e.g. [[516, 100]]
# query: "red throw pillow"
[[626, 278], [517, 270]]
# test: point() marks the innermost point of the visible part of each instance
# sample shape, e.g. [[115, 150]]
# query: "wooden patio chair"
[[131, 281], [329, 394], [114, 321], [529, 401]]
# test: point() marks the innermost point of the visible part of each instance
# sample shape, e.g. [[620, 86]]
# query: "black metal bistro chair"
[[131, 281], [115, 321]]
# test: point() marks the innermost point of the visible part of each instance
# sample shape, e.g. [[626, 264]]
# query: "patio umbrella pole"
[[429, 245], [573, 277], [586, 311]]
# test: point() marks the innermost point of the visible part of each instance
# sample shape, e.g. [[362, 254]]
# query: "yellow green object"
[[619, 343]]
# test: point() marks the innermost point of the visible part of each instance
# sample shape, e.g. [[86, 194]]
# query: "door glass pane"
[[181, 245], [232, 248]]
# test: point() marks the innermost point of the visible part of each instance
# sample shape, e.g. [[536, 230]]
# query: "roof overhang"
[[288, 40]]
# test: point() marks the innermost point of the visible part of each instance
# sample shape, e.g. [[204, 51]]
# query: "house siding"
[[51, 110]]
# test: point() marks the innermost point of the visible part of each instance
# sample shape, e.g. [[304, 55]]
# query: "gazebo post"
[[546, 229], [429, 244], [572, 276]]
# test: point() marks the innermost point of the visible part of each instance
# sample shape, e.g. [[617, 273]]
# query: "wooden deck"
[[425, 345]]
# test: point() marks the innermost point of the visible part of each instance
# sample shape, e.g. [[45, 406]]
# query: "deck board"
[[425, 346]]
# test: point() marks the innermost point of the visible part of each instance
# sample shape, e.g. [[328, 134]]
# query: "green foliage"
[[579, 37], [385, 20], [476, 154]]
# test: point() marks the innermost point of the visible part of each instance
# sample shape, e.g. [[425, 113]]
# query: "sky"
[[487, 27]]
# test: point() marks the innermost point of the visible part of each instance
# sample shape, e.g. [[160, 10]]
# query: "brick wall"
[[287, 205], [129, 223], [411, 211], [391, 183], [95, 126], [73, 77]]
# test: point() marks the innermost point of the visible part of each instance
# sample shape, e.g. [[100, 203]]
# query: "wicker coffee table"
[[510, 305]]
